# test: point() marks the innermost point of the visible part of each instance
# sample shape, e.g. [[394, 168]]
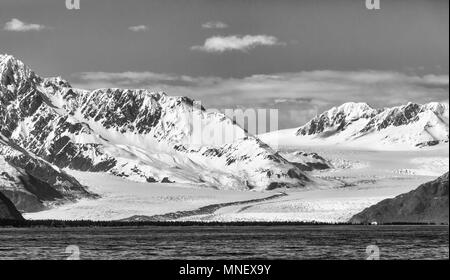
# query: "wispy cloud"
[[220, 44], [138, 28], [299, 96], [214, 25], [134, 80], [20, 26]]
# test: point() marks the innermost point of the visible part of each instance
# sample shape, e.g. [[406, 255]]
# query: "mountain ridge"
[[136, 134], [403, 127]]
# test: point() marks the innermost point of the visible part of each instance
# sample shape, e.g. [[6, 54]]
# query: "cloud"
[[298, 96], [219, 44], [20, 26], [214, 25], [138, 28], [141, 80], [135, 77]]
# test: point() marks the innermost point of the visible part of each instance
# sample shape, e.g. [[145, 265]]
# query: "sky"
[[298, 56]]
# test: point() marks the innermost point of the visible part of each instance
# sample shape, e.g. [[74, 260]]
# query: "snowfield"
[[367, 177], [121, 198], [358, 180]]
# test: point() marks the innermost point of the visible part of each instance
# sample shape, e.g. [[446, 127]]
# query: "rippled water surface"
[[227, 242]]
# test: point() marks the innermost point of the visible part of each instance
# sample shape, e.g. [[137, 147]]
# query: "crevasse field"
[[359, 178]]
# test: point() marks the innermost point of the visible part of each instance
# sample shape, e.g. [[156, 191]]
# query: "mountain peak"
[[13, 72], [353, 108], [438, 108], [408, 125], [337, 118], [9, 60], [354, 105], [6, 57]]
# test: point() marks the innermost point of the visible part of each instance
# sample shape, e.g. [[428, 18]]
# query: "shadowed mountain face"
[[33, 184], [7, 209], [427, 204]]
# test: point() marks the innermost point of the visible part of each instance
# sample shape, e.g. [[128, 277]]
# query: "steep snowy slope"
[[136, 134], [404, 127]]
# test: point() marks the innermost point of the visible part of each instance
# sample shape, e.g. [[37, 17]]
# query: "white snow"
[[122, 198], [369, 177], [366, 178], [430, 124]]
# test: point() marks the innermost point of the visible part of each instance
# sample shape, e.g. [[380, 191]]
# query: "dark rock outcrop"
[[33, 184], [426, 204], [7, 209]]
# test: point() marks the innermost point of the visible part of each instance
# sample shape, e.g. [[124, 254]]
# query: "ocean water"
[[227, 242]]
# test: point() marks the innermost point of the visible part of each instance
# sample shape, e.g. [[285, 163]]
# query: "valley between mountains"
[[113, 154]]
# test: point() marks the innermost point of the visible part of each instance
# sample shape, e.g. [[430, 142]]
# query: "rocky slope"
[[427, 204], [337, 119], [411, 124], [33, 184], [136, 134], [405, 127], [307, 161], [7, 209]]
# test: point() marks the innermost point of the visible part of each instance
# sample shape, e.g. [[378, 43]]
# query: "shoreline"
[[121, 224]]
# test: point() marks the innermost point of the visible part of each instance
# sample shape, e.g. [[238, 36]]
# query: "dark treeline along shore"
[[88, 223]]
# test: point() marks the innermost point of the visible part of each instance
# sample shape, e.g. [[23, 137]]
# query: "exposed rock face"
[[136, 134], [307, 161], [33, 184], [7, 209], [427, 204], [337, 119], [29, 181]]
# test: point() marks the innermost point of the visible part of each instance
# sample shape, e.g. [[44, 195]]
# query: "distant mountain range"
[[427, 204], [403, 127], [46, 125]]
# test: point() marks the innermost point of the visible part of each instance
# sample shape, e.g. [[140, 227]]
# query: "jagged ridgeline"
[[412, 125], [46, 125], [406, 127]]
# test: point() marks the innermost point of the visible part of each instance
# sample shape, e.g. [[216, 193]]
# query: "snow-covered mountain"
[[408, 126], [136, 134]]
